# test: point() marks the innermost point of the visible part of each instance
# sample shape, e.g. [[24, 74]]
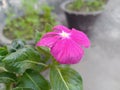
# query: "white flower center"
[[64, 34]]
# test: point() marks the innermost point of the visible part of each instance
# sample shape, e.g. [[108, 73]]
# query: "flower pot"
[[6, 40], [80, 20], [3, 39]]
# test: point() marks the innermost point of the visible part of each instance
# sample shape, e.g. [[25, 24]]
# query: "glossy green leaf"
[[34, 80], [21, 60], [6, 77], [21, 56], [65, 79]]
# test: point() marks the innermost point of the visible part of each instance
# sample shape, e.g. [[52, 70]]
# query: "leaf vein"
[[32, 81], [63, 79]]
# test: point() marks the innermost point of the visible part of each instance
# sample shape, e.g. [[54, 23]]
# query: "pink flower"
[[66, 45]]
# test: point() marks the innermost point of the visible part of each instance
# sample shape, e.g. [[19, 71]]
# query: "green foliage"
[[3, 53], [38, 34], [15, 45], [21, 65], [76, 5], [35, 18], [65, 79], [86, 5], [33, 80], [21, 60], [48, 27], [29, 7], [6, 77]]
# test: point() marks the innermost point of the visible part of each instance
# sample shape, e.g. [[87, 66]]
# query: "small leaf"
[[65, 79], [6, 77], [15, 45], [34, 80]]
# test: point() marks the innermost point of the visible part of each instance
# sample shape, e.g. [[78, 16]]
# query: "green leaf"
[[22, 88], [15, 45], [1, 57], [21, 60], [3, 51], [6, 77], [34, 80], [65, 79]]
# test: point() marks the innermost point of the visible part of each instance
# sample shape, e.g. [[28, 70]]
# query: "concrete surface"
[[100, 67]]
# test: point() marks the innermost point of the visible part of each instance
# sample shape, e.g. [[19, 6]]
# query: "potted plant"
[[21, 65], [34, 17], [81, 14]]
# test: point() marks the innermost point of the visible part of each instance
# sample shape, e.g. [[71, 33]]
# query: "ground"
[[100, 67]]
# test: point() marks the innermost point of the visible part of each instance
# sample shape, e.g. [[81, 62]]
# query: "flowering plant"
[[86, 5], [21, 64]]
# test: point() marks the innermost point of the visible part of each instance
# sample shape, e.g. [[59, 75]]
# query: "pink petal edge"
[[60, 28], [80, 38]]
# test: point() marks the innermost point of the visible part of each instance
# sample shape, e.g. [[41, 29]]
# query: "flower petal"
[[66, 51], [80, 38], [48, 40], [60, 28]]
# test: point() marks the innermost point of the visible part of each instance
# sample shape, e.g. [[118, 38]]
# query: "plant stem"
[[8, 86], [38, 63], [3, 69]]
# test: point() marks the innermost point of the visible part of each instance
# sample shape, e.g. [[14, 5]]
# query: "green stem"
[[3, 69], [8, 86], [38, 63]]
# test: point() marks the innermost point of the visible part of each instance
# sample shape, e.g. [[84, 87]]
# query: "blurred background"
[[100, 67]]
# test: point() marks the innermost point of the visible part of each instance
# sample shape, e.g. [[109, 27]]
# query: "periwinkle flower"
[[66, 45]]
